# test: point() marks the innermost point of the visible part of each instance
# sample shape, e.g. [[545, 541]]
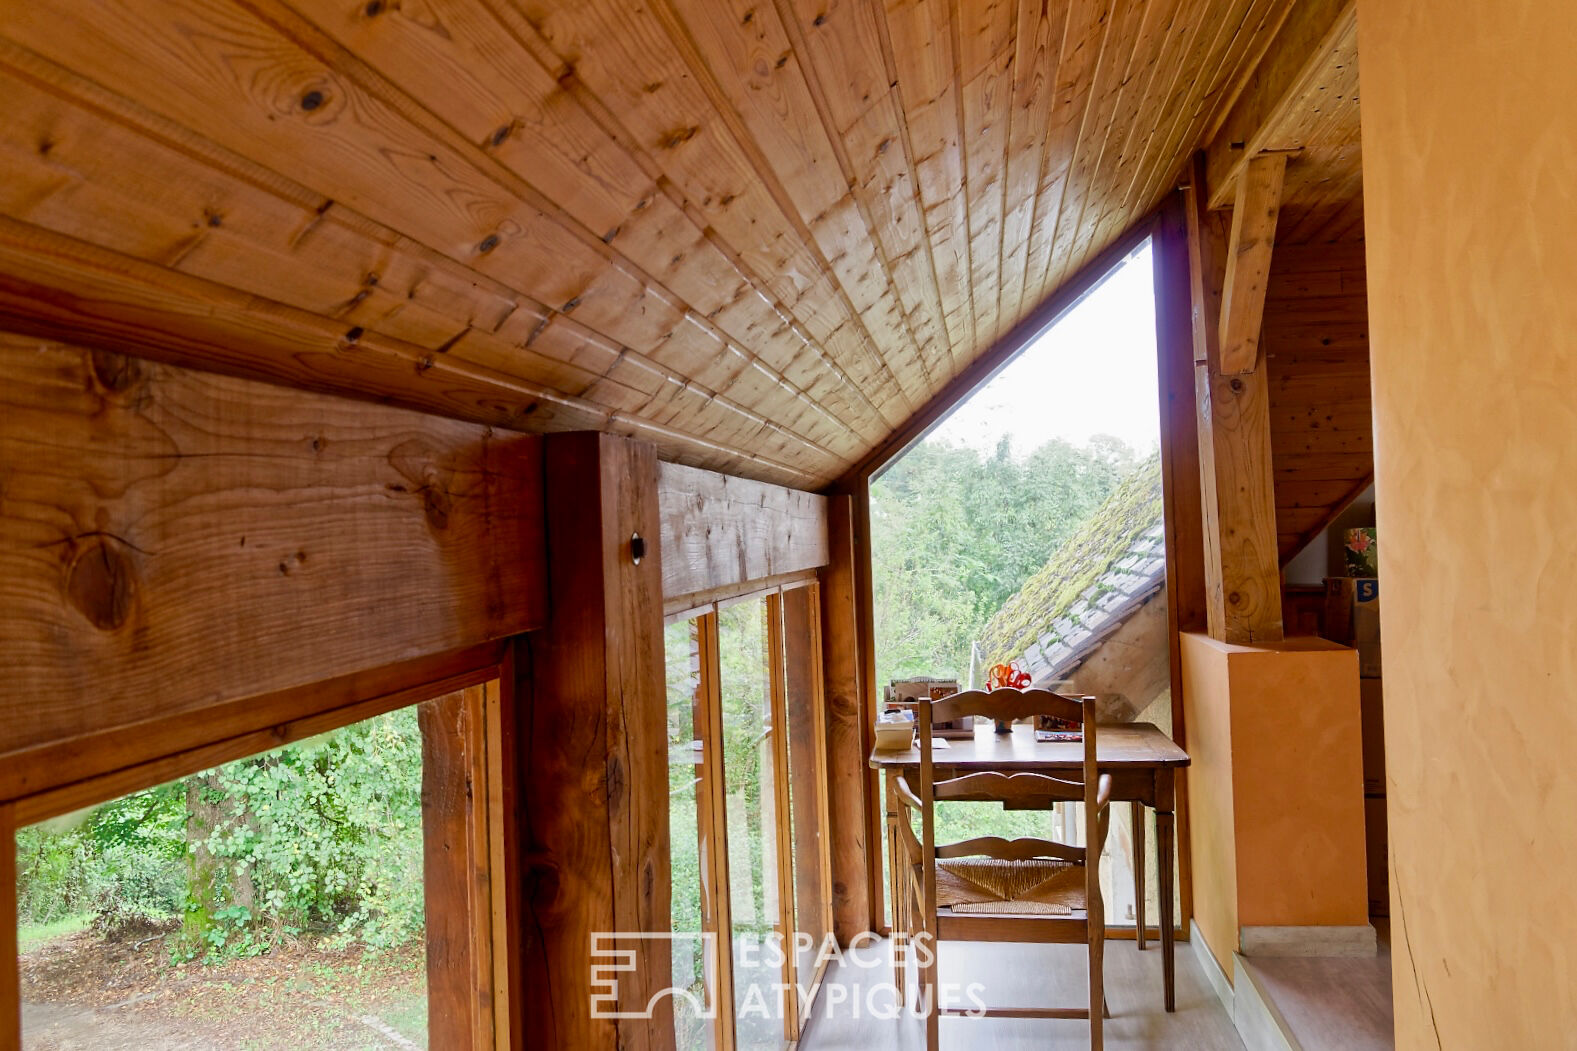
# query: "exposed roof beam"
[[1248, 261], [1293, 60]]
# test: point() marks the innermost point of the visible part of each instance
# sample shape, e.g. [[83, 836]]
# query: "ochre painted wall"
[[1297, 775], [1470, 185], [1207, 713], [1275, 788]]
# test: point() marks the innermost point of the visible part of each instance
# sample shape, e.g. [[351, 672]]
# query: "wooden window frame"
[[467, 734], [711, 809]]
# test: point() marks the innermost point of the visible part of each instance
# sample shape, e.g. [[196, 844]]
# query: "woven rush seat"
[[1035, 887]]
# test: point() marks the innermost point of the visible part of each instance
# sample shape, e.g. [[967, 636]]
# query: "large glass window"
[[746, 755], [289, 899], [1027, 528]]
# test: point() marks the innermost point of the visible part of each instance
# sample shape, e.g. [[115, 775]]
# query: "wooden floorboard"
[[1332, 1003], [857, 993]]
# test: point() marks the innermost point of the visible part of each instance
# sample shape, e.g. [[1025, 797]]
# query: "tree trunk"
[[204, 879]]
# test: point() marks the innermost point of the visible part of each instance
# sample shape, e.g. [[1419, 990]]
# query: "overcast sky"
[[1092, 373]]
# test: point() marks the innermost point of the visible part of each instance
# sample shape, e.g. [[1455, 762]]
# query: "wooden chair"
[[992, 889]]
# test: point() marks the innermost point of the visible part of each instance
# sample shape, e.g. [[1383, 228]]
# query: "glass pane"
[[805, 762], [685, 714], [273, 902], [751, 823]]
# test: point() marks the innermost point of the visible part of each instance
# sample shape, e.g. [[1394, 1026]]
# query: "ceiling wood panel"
[[762, 233]]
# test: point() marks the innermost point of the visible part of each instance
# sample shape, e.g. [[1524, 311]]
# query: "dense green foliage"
[[955, 533], [324, 835]]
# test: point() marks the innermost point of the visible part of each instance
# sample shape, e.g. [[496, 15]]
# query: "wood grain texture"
[[594, 758], [1253, 236], [720, 531], [1242, 572], [760, 235], [201, 540], [10, 982], [1316, 338], [459, 978], [808, 765], [852, 909], [1274, 94]]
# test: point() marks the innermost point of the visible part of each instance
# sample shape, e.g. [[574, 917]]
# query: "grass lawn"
[[30, 935]]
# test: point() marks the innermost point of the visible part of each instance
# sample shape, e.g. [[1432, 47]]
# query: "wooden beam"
[[807, 730], [58, 287], [711, 816], [1180, 485], [852, 912], [1242, 576], [459, 970], [720, 531], [595, 758], [1289, 65], [175, 545], [1248, 261], [1174, 339], [10, 981]]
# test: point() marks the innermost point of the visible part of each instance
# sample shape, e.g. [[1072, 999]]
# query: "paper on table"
[[939, 742]]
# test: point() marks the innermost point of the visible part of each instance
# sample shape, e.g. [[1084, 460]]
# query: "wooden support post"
[[594, 762], [851, 902], [1248, 261], [1242, 572], [455, 851], [783, 833], [807, 728], [711, 814], [1180, 485], [10, 981]]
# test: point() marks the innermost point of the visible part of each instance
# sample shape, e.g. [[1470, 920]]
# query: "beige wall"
[[1470, 183], [1275, 788]]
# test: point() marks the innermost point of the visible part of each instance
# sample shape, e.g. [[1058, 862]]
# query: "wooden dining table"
[[1141, 759]]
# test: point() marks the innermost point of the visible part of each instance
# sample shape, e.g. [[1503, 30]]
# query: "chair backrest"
[[1026, 788]]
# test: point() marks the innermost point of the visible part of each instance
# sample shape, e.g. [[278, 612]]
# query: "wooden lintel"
[[1248, 261], [720, 531], [1293, 59], [177, 545]]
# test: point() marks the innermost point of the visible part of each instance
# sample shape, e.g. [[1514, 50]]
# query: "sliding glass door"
[[747, 757]]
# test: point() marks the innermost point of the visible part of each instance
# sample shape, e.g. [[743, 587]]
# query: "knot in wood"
[[115, 373], [100, 583]]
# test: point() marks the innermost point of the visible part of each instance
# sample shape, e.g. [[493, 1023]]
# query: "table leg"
[[1136, 811], [895, 933], [1163, 857]]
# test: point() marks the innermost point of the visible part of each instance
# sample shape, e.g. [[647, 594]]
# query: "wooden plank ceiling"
[[760, 234]]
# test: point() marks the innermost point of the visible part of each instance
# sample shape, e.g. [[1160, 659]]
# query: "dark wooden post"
[[846, 773], [10, 988], [590, 697]]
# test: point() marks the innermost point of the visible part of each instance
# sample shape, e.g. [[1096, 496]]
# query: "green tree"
[[955, 533]]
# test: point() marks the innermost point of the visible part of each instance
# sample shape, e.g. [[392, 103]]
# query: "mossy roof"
[[1104, 571]]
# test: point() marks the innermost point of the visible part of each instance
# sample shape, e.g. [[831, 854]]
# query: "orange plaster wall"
[[1276, 821], [1470, 193], [1208, 716], [1298, 785]]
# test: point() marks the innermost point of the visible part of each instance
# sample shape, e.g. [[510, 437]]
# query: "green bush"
[[324, 835]]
